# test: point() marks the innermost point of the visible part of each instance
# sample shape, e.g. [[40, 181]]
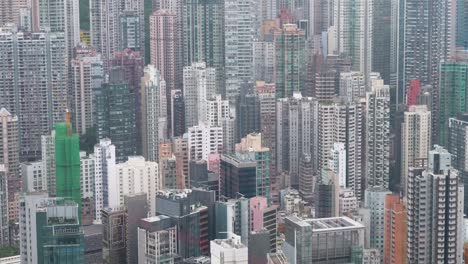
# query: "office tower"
[[247, 115], [163, 49], [37, 111], [137, 208], [131, 64], [267, 98], [182, 162], [87, 180], [204, 140], [374, 200], [153, 112], [238, 25], [415, 140], [295, 116], [342, 122], [203, 36], [33, 177], [428, 29], [352, 84], [427, 211], [230, 250], [381, 38], [306, 178], [104, 18], [67, 160], [9, 159], [259, 246], [303, 237], [115, 115], [50, 230], [137, 176], [178, 113], [378, 135], [87, 75], [457, 138], [157, 240], [452, 98], [136, 31], [290, 60], [167, 172], [395, 230], [114, 222], [199, 86], [233, 217], [264, 60], [352, 33], [250, 148], [238, 176], [326, 194], [193, 213]]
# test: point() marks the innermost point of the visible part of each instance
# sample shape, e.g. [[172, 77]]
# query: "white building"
[[352, 84], [157, 240], [33, 176], [347, 201], [337, 162], [204, 140], [264, 60], [217, 110], [415, 140], [378, 134], [435, 212], [137, 176], [48, 161], [105, 178], [239, 19], [229, 250], [87, 175], [153, 111], [199, 86]]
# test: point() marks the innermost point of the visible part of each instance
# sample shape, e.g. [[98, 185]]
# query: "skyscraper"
[[153, 112], [290, 60], [104, 16], [452, 98], [9, 161], [457, 140], [203, 36], [378, 135], [306, 178], [37, 111], [115, 116], [428, 211], [247, 115], [87, 76], [415, 140], [204, 140], [375, 201], [238, 31], [177, 117], [10, 11], [67, 159], [395, 226]]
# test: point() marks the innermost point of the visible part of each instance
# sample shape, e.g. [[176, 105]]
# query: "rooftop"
[[327, 224]]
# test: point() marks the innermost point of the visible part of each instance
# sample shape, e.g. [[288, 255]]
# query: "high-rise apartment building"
[[395, 226], [435, 211], [199, 86], [135, 35], [137, 176], [67, 160], [239, 34], [306, 178], [87, 76], [203, 36], [105, 178], [5, 237], [264, 60], [452, 98], [378, 135], [87, 180], [33, 177], [115, 115], [160, 233], [164, 43], [182, 162], [10, 11], [38, 111], [104, 18], [352, 84], [9, 160], [415, 140], [204, 140], [153, 112], [295, 120], [48, 161], [177, 118], [290, 60]]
